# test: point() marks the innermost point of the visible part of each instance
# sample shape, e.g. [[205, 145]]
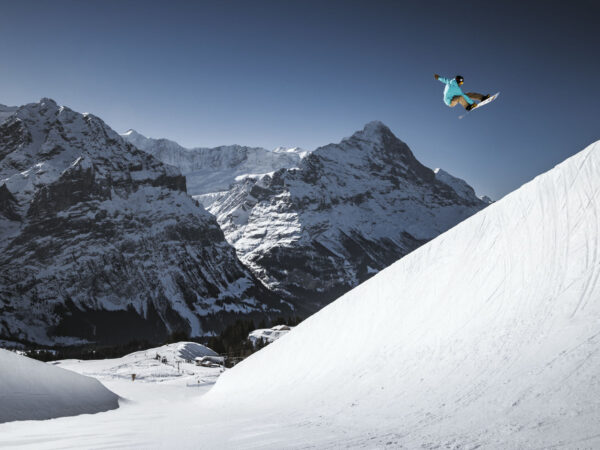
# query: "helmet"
[[459, 79]]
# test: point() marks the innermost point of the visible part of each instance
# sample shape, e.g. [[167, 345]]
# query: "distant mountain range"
[[323, 223], [349, 210], [210, 170]]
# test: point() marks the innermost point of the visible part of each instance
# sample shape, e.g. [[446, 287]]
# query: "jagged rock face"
[[8, 205], [101, 242], [213, 170], [348, 211]]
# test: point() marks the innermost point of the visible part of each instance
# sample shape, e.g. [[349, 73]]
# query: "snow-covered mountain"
[[211, 170], [349, 210], [100, 240], [460, 186], [486, 337]]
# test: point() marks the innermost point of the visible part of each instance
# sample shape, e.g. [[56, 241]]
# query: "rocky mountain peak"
[[132, 133], [373, 131], [48, 103], [44, 109], [373, 150], [349, 210], [100, 241]]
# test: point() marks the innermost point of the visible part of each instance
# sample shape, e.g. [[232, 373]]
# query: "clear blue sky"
[[306, 73]]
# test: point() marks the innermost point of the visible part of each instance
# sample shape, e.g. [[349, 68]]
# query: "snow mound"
[[33, 390], [183, 351], [489, 335]]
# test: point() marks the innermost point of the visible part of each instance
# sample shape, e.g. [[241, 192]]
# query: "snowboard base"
[[480, 104]]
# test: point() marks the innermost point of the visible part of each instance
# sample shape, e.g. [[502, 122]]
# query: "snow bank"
[[487, 336], [33, 390]]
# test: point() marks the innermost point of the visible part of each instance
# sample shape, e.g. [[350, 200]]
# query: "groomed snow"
[[33, 390]]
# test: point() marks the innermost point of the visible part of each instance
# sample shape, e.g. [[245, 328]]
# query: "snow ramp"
[[33, 390], [487, 336]]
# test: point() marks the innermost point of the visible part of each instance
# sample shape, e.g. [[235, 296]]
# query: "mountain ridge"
[[101, 241], [349, 210], [212, 169]]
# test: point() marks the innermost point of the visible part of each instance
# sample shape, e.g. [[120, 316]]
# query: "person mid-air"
[[453, 94]]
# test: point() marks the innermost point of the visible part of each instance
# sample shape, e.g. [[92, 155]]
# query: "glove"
[[436, 76]]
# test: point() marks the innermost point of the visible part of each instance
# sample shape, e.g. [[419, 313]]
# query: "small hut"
[[210, 361]]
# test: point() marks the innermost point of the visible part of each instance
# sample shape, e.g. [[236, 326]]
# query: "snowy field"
[[159, 388], [486, 337]]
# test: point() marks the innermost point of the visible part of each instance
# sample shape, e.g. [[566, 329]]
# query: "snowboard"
[[480, 104]]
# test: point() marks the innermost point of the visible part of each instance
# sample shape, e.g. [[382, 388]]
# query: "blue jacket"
[[452, 89]]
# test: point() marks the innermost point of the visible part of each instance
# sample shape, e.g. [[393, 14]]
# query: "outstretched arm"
[[441, 79]]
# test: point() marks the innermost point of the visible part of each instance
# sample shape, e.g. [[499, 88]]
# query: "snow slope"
[[32, 389], [493, 339]]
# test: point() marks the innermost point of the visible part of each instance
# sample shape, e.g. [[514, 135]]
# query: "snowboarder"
[[453, 94]]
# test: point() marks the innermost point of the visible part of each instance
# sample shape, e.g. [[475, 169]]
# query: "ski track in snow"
[[486, 337]]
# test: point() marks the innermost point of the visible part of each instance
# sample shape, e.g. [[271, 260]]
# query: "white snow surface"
[[486, 337], [33, 390]]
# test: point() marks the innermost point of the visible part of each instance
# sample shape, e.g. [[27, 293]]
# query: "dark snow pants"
[[460, 99]]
